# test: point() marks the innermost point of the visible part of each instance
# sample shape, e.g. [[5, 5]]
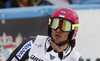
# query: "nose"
[[58, 30]]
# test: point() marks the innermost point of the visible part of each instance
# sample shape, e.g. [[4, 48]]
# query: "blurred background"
[[21, 19]]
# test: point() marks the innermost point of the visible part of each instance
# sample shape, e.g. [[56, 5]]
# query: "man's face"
[[59, 36]]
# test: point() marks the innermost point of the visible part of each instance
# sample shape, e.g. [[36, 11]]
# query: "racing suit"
[[39, 49]]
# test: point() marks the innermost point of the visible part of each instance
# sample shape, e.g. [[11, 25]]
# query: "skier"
[[58, 45]]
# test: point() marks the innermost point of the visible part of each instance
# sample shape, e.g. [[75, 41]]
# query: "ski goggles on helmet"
[[63, 24]]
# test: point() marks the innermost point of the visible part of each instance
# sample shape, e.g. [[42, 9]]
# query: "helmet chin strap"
[[60, 44]]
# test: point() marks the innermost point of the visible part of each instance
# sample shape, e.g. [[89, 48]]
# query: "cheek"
[[52, 32], [65, 35]]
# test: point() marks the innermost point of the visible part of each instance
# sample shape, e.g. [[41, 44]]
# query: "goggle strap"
[[75, 26], [49, 21]]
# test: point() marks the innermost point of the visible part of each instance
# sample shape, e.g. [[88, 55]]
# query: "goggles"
[[63, 24]]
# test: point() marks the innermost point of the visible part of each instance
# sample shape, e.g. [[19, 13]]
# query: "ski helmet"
[[68, 14]]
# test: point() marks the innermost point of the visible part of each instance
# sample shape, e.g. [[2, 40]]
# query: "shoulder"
[[28, 40], [21, 52], [42, 37]]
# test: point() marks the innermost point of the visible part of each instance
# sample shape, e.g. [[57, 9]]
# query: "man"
[[58, 46]]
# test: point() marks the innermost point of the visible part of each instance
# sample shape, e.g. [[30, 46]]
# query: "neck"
[[58, 48]]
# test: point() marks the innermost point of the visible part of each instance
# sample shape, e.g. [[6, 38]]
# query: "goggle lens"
[[64, 25]]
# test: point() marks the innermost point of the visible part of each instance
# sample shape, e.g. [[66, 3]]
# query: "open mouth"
[[57, 36]]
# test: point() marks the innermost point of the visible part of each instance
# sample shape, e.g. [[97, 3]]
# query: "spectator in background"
[[5, 3], [8, 3], [23, 3]]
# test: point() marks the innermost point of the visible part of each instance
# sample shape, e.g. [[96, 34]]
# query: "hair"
[[72, 43]]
